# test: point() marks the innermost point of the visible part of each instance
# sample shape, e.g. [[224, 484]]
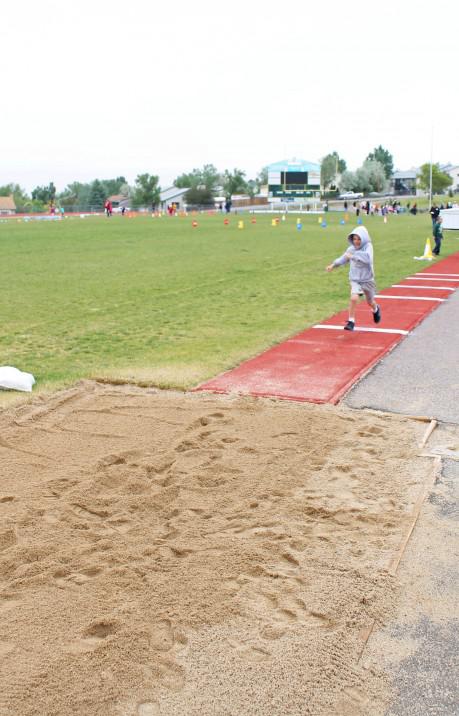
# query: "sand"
[[169, 553]]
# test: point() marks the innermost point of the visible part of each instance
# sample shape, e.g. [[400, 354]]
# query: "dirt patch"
[[168, 553]]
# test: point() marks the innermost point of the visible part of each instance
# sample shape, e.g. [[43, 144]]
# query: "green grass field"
[[156, 301]]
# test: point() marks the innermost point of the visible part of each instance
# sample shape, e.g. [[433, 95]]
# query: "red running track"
[[321, 364]]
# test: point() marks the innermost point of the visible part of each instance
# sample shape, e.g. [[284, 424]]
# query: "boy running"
[[361, 274]]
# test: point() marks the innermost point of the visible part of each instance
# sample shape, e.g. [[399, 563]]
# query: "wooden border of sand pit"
[[394, 563]]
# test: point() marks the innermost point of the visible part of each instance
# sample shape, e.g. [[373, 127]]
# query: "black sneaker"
[[377, 315], [349, 326]]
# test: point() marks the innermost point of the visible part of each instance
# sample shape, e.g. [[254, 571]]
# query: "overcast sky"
[[103, 88]]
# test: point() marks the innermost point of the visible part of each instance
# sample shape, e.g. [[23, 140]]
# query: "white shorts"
[[368, 288]]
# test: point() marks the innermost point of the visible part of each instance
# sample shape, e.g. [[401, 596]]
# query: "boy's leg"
[[370, 292], [352, 306]]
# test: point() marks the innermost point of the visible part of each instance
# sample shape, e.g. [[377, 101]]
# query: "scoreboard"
[[295, 179]]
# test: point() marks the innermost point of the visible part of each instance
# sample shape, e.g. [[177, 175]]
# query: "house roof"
[[410, 174], [7, 203], [172, 193], [294, 165], [117, 197]]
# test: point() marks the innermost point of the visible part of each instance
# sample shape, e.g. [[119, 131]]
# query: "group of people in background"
[[375, 208], [108, 208]]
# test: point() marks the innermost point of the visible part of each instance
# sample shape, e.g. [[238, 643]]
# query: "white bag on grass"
[[14, 379]]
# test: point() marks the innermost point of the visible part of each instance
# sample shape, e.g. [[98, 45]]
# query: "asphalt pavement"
[[421, 377]]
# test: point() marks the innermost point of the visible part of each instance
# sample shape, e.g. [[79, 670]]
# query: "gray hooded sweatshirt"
[[361, 262]]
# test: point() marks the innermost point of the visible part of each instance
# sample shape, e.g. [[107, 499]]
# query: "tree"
[[234, 182], [125, 190], [369, 177], [381, 155], [348, 181], [262, 176], [202, 184], [45, 194], [330, 167], [113, 186], [146, 190], [75, 196], [440, 180], [97, 195], [252, 187]]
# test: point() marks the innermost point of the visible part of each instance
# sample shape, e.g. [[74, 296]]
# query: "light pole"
[[431, 155]]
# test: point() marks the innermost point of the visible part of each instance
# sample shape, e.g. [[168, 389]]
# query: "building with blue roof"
[[293, 179]]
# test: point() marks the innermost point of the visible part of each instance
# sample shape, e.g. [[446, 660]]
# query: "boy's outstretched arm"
[[344, 259]]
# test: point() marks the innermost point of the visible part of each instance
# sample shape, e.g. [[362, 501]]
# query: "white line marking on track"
[[413, 298], [363, 329], [431, 288], [426, 278]]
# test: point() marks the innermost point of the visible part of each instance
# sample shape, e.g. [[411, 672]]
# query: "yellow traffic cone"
[[273, 222], [428, 255], [319, 220], [428, 250], [240, 224]]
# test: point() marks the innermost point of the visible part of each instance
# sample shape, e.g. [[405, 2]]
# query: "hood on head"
[[363, 233]]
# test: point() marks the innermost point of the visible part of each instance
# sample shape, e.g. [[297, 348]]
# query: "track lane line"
[[430, 288], [412, 298], [363, 329], [426, 278]]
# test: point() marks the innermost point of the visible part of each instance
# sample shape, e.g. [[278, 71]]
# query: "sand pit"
[[163, 553]]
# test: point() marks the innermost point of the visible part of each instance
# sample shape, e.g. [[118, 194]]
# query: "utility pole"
[[431, 155]]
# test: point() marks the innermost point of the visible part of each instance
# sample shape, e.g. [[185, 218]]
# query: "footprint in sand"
[[86, 575], [52, 517], [8, 601], [272, 631], [186, 445], [210, 418], [173, 551], [344, 468], [57, 486], [148, 708], [249, 652], [162, 635], [290, 559], [111, 460], [94, 636], [120, 524], [90, 513], [7, 538], [63, 578]]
